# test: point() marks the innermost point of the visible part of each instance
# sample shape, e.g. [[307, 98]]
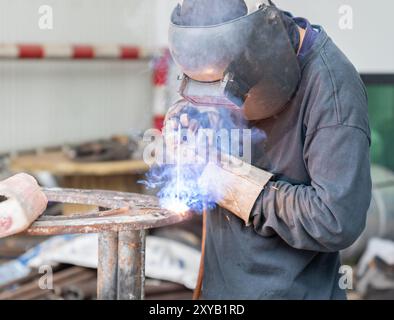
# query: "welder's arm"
[[330, 214]]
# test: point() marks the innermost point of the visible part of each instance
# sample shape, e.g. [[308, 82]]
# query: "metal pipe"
[[131, 265], [107, 268]]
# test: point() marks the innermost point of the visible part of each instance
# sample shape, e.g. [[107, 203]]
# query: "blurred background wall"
[[366, 44], [45, 103]]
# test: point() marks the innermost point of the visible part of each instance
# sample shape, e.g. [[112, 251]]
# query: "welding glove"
[[193, 117], [236, 185], [183, 115], [21, 202], [181, 127]]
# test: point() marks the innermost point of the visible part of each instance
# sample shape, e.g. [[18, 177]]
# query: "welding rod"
[[197, 290]]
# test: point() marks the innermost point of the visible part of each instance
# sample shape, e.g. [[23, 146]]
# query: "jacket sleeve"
[[329, 214]]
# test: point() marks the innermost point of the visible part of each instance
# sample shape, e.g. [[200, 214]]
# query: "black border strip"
[[378, 78]]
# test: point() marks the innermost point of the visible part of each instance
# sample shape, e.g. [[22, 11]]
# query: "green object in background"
[[377, 147], [381, 113]]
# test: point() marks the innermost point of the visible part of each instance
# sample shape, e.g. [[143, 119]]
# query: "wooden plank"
[[58, 164]]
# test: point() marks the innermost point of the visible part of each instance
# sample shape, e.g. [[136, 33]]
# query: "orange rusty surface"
[[126, 212]]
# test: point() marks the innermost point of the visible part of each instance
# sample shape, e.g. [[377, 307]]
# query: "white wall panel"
[[370, 44], [44, 103], [48, 103]]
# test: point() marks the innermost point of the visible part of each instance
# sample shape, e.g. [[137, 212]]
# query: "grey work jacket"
[[318, 149]]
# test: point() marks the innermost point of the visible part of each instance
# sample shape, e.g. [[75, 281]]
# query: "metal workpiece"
[[120, 220], [125, 212], [107, 266], [131, 265]]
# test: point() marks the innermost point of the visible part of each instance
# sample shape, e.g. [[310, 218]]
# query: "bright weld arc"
[[178, 205], [178, 169]]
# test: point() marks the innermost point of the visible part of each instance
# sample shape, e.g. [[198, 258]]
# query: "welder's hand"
[[186, 115], [182, 125]]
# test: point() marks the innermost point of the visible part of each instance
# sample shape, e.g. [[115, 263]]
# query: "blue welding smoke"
[[179, 189], [178, 182]]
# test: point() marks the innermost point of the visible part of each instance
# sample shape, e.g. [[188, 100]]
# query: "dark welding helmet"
[[251, 57]]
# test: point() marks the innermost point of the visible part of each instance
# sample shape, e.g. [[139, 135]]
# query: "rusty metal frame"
[[121, 220]]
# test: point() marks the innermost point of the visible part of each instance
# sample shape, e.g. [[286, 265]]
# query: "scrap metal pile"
[[78, 283]]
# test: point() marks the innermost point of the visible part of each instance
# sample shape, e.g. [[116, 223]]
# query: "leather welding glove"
[[183, 115], [21, 202], [193, 117], [236, 185], [182, 122]]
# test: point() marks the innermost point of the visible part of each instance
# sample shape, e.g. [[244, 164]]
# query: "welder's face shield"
[[252, 53]]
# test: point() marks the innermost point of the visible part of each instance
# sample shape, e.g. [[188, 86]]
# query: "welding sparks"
[[177, 178], [175, 205], [178, 188], [178, 166]]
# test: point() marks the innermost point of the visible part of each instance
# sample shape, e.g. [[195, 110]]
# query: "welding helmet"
[[251, 57]]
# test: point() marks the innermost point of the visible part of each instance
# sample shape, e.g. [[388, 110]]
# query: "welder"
[[291, 81]]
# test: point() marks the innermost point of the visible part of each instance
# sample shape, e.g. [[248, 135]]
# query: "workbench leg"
[[131, 265], [107, 269]]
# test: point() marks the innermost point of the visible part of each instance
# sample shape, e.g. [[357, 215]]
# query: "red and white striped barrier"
[[160, 77], [53, 51], [161, 63]]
